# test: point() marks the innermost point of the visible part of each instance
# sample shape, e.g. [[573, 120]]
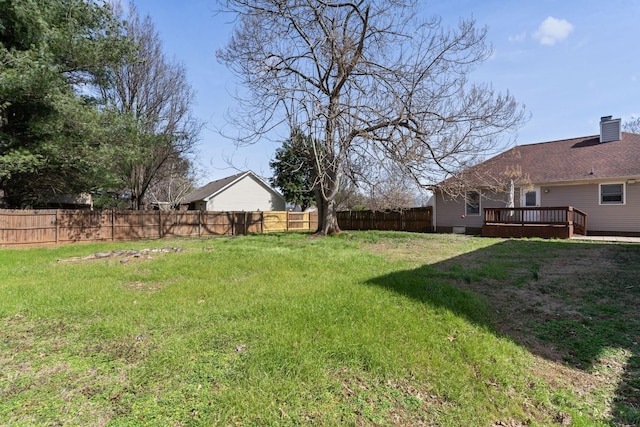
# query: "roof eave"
[[582, 181]]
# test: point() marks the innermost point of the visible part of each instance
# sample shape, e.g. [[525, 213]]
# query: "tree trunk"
[[135, 202], [328, 218], [321, 209], [331, 218]]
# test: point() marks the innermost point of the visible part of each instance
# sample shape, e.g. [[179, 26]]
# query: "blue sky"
[[568, 62]]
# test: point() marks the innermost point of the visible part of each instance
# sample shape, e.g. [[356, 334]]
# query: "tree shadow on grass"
[[572, 303]]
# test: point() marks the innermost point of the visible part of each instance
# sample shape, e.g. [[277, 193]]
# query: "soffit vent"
[[610, 129]]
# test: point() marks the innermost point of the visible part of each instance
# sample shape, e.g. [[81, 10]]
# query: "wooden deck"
[[548, 222]]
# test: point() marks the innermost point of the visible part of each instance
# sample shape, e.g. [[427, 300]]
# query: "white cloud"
[[518, 37], [553, 30]]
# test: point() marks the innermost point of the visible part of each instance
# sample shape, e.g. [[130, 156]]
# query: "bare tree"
[[155, 93], [350, 197], [391, 191], [368, 79], [632, 126], [177, 180]]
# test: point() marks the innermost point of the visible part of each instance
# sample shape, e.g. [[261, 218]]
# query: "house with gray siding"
[[244, 191], [599, 175]]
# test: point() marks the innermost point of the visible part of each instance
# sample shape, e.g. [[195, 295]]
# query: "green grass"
[[358, 329]]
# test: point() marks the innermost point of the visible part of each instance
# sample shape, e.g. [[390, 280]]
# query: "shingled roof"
[[567, 160], [212, 188]]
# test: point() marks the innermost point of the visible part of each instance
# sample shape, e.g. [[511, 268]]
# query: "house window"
[[531, 198], [472, 203], [611, 194]]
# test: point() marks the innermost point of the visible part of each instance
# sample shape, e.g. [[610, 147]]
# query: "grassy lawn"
[[363, 328]]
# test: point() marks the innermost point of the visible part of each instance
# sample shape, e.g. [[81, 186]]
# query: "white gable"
[[246, 194]]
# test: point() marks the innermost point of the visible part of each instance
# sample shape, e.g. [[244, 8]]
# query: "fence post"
[[233, 223], [244, 227], [57, 226], [199, 223]]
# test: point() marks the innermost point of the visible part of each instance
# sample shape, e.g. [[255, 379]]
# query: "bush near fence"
[[44, 227]]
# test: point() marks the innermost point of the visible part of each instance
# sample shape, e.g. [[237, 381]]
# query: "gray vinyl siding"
[[449, 210], [600, 218], [617, 218], [247, 194]]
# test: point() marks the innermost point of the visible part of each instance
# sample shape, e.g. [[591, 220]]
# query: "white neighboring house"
[[241, 192]]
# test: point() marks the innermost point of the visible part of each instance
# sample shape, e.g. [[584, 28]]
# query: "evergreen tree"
[[53, 137], [292, 173]]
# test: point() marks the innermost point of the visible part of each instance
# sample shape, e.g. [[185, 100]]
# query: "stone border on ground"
[[125, 254]]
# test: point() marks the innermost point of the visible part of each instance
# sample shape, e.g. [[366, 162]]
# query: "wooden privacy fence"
[[415, 219], [42, 227]]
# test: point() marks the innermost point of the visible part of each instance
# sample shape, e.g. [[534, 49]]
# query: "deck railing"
[[579, 222], [559, 216]]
